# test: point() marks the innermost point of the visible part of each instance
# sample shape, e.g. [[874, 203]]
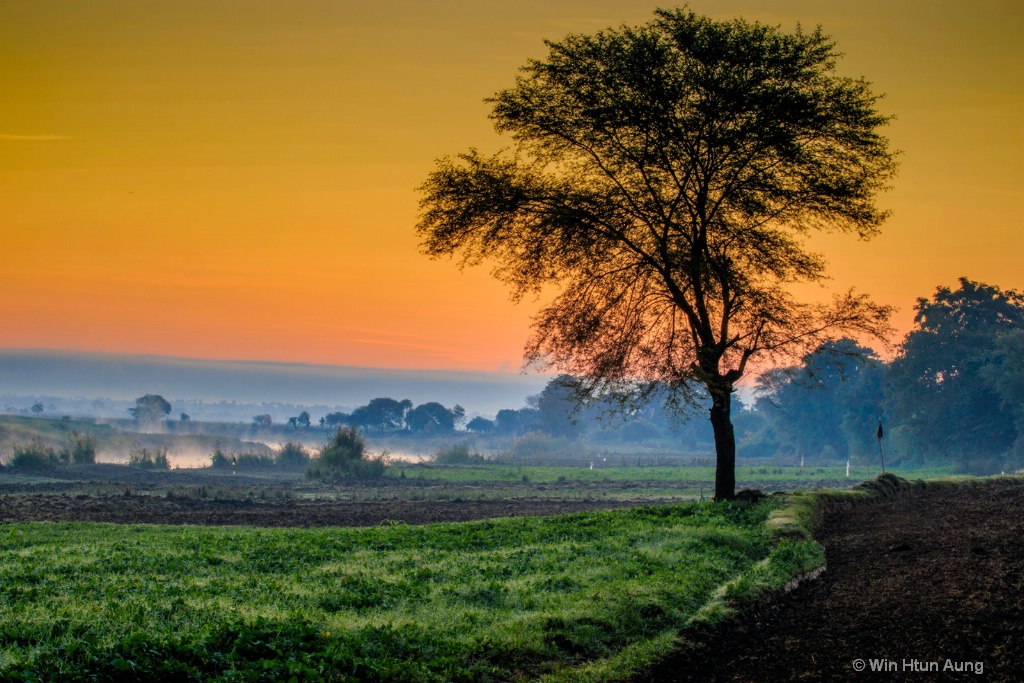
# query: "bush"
[[81, 450], [219, 461], [344, 457], [293, 455], [458, 455], [142, 458], [255, 461], [34, 456]]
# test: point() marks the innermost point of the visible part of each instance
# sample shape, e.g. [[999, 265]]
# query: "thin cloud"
[[34, 138]]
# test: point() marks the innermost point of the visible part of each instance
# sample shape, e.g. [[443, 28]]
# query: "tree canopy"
[[956, 382], [150, 408], [661, 183], [381, 414], [480, 425], [430, 417], [827, 408]]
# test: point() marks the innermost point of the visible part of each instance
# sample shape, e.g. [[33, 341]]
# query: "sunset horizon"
[[195, 180], [546, 340]]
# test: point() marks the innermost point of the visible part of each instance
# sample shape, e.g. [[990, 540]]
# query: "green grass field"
[[490, 600]]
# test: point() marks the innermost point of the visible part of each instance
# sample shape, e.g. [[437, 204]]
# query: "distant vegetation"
[[293, 455], [33, 456], [150, 408], [80, 449], [345, 457], [952, 397], [458, 455], [149, 460]]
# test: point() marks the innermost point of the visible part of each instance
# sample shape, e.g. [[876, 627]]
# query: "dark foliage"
[[345, 457], [663, 181], [956, 384], [150, 408]]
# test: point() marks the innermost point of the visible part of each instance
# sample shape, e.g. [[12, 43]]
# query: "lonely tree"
[[661, 184]]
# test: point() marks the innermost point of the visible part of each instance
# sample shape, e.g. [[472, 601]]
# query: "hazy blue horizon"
[[127, 376]]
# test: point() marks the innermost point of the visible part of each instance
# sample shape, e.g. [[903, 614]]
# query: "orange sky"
[[236, 180]]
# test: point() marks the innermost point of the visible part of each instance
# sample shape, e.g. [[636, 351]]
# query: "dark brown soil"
[[911, 583], [159, 509]]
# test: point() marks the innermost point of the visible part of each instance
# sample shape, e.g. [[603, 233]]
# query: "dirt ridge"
[[922, 579]]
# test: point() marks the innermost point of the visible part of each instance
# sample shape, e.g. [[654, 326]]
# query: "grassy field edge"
[[519, 568], [796, 557]]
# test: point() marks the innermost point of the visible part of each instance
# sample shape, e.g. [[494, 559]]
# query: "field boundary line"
[[797, 557]]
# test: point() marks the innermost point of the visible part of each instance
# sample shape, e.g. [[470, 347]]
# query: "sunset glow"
[[237, 180]]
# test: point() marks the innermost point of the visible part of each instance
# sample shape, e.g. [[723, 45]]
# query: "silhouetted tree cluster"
[[956, 386], [335, 420], [954, 393], [381, 415], [388, 415], [823, 410]]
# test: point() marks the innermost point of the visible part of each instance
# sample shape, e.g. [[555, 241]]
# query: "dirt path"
[[910, 584]]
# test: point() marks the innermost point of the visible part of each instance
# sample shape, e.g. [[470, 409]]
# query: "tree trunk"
[[725, 444]]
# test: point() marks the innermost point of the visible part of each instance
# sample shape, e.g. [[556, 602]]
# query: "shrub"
[[142, 458], [254, 461], [219, 461], [293, 455], [345, 457], [458, 455], [81, 450], [35, 455]]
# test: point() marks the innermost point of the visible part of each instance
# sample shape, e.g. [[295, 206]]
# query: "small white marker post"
[[847, 469]]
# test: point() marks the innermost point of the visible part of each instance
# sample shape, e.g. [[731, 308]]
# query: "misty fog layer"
[[123, 378]]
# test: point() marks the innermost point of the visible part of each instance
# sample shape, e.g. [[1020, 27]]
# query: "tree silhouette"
[[480, 425], [661, 183], [431, 417], [336, 419], [941, 381], [150, 408], [382, 414]]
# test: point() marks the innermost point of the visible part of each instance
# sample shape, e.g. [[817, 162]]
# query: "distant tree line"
[[383, 415], [953, 394]]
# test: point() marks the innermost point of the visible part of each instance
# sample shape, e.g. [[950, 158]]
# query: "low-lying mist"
[[221, 386]]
